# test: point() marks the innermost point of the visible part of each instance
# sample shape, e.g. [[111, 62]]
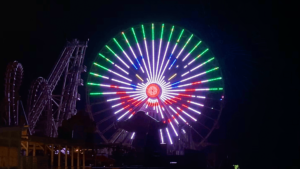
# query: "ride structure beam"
[[69, 68]]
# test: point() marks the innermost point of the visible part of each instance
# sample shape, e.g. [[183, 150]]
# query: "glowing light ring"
[[175, 95]]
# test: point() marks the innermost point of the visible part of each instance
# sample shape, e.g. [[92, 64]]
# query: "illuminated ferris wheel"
[[163, 70]]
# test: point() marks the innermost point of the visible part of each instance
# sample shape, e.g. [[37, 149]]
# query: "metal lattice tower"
[[51, 102]]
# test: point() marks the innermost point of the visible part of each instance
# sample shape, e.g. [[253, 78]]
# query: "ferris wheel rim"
[[219, 114]]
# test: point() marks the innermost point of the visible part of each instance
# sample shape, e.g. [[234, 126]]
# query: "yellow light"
[[139, 77], [172, 76]]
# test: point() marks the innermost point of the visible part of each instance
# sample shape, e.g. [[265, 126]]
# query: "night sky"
[[253, 40]]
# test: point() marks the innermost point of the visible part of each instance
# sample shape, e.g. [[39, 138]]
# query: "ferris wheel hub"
[[153, 90]]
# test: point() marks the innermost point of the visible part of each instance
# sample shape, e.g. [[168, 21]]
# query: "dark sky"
[[253, 40]]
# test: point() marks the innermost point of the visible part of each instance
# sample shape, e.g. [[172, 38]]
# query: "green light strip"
[[195, 47], [188, 41], [100, 66], [216, 68], [118, 44], [201, 63], [213, 79], [202, 53], [134, 35], [95, 74], [110, 50], [152, 31], [93, 84], [106, 58], [220, 88], [143, 29], [180, 35], [95, 93], [171, 33], [126, 39], [162, 31]]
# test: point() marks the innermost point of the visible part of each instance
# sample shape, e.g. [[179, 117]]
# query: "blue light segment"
[[135, 67], [138, 61], [172, 63], [133, 86], [176, 83], [170, 56]]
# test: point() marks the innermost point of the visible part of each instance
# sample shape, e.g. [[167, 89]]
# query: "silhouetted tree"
[[79, 127]]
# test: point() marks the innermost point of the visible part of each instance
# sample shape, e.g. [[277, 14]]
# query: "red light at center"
[[153, 90]]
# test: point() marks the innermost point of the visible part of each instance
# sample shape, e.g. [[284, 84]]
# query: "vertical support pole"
[[72, 156], [58, 161], [33, 151], [27, 148], [9, 159], [66, 157], [78, 157], [45, 149], [83, 158], [52, 154]]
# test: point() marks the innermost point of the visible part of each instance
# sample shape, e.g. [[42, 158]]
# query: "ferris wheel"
[[163, 70]]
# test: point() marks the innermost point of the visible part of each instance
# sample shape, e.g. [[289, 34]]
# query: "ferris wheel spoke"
[[112, 71], [159, 50], [146, 47], [124, 114], [173, 127], [161, 136], [110, 86], [197, 132], [132, 51], [119, 81], [176, 113], [197, 89], [97, 75], [198, 82], [123, 97], [197, 66], [102, 111], [104, 120], [169, 136], [178, 40], [203, 125], [111, 93], [201, 54], [191, 51], [153, 53], [96, 103], [107, 128], [141, 54], [186, 43], [205, 72], [178, 108], [116, 56], [113, 63], [166, 50], [125, 53], [172, 76]]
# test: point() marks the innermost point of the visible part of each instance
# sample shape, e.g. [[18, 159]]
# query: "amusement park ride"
[[48, 103], [173, 78]]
